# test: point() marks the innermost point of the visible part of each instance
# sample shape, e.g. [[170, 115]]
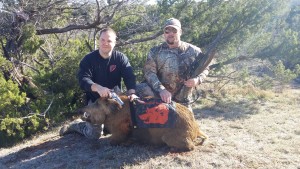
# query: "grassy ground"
[[247, 128]]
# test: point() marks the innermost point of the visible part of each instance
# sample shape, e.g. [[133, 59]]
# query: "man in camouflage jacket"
[[167, 66]]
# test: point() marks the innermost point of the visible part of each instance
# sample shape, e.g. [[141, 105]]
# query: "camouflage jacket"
[[167, 68]]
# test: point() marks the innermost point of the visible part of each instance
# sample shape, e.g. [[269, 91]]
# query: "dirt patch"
[[242, 134]]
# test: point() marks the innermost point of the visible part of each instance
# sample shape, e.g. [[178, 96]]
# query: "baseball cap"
[[172, 22]]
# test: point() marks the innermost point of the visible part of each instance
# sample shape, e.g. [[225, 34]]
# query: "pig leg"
[[180, 143], [120, 132]]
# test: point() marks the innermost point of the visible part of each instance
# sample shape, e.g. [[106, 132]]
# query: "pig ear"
[[114, 106]]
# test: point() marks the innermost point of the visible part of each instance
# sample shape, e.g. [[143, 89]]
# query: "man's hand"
[[131, 94], [165, 96], [102, 91], [132, 97], [193, 82]]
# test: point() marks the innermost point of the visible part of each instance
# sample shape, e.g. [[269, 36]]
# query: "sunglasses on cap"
[[169, 30]]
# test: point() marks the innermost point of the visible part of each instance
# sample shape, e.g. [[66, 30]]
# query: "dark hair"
[[107, 29]]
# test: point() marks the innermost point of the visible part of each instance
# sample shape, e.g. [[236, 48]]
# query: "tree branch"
[[230, 61], [98, 21], [132, 41]]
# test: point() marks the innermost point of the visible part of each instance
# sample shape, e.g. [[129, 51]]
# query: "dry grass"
[[248, 128]]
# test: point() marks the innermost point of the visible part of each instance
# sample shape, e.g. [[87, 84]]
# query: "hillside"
[[243, 133]]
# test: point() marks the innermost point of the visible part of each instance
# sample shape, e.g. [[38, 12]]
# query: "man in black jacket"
[[99, 72]]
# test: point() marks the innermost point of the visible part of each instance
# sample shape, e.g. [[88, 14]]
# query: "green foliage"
[[4, 64], [126, 23], [12, 130], [265, 82], [284, 47], [273, 78], [13, 127], [61, 83], [11, 98], [282, 74], [297, 69], [58, 89], [137, 55], [32, 42], [293, 19], [283, 42], [243, 76]]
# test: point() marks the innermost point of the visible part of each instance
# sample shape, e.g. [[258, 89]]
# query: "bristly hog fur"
[[117, 119]]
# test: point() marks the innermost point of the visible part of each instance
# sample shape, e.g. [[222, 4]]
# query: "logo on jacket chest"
[[112, 68]]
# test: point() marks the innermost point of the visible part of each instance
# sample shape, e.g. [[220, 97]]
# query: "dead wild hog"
[[182, 136]]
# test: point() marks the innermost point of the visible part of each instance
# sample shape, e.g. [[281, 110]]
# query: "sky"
[[151, 2]]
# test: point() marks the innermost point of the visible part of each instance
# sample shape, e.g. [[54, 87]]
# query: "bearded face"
[[172, 35]]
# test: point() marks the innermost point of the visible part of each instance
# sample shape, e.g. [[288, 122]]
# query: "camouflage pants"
[[90, 131], [87, 129]]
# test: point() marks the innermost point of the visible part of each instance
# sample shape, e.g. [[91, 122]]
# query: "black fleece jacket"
[[105, 72]]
